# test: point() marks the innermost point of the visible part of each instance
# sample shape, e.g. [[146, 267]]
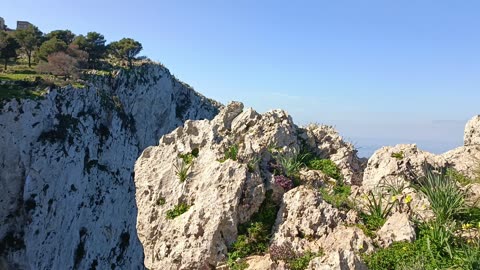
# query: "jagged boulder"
[[472, 132], [397, 228], [327, 143], [396, 164], [221, 194]]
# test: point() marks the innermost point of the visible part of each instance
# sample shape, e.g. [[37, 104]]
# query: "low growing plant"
[[293, 260], [376, 211], [182, 170], [338, 196], [231, 153], [326, 166], [398, 155], [177, 210]]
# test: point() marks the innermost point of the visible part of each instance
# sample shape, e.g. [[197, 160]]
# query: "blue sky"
[[382, 72]]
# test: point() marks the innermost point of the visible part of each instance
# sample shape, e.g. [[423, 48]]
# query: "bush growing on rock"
[[177, 210]]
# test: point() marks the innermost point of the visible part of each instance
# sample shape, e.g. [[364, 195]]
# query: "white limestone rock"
[[472, 132], [67, 167], [397, 228]]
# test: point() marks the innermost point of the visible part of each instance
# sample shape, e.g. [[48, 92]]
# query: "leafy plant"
[[377, 212], [446, 198], [160, 201], [231, 153], [302, 261], [394, 186], [326, 166], [291, 164], [283, 181], [177, 210], [189, 157], [182, 170]]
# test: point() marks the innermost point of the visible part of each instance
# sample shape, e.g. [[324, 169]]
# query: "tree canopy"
[[64, 35], [126, 49], [94, 45], [51, 46], [9, 47], [29, 40]]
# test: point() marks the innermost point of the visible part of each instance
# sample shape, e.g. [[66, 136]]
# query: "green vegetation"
[[177, 210], [293, 260], [377, 211], [182, 170], [58, 58], [160, 201], [231, 153], [254, 236], [252, 164], [338, 195], [461, 178], [449, 241], [398, 155], [291, 164], [326, 166]]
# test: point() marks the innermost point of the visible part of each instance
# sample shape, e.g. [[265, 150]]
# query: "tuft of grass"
[[446, 198], [291, 164], [160, 201], [253, 164], [177, 210], [301, 262], [377, 212], [459, 177], [182, 170]]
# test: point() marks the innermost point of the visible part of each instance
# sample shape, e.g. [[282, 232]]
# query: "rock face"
[[68, 196], [398, 163], [327, 143], [472, 132], [397, 228], [221, 194]]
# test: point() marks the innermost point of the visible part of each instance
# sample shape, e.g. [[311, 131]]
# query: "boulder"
[[397, 228], [327, 143]]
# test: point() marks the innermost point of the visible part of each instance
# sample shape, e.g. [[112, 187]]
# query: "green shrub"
[[291, 164], [391, 257], [338, 196], [326, 166], [254, 236], [177, 210]]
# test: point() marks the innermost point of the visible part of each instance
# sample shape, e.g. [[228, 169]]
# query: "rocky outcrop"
[[327, 143], [222, 192], [472, 132], [67, 162], [397, 164]]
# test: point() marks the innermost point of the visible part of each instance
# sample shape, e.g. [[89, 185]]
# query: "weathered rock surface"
[[68, 196], [397, 228], [327, 143], [222, 195], [396, 164], [472, 132]]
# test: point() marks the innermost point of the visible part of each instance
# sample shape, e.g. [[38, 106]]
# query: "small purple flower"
[[283, 181]]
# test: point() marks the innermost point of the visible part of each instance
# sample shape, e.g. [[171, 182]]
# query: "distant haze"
[[382, 72]]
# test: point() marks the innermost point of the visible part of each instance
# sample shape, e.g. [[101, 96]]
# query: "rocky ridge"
[[67, 162], [222, 192]]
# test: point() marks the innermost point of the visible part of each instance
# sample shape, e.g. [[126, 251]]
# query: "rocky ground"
[[255, 191]]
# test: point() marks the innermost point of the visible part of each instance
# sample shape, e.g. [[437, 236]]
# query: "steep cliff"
[[66, 175]]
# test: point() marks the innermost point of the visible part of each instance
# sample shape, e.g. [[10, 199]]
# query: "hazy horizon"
[[382, 72]]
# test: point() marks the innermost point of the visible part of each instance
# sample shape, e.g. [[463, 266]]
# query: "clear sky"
[[382, 72]]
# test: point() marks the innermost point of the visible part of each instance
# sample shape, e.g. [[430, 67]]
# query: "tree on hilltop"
[[126, 49], [10, 47], [94, 45], [51, 46], [29, 39], [64, 35]]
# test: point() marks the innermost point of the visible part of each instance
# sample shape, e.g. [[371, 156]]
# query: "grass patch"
[[178, 210], [377, 211], [398, 155], [231, 153], [338, 195]]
